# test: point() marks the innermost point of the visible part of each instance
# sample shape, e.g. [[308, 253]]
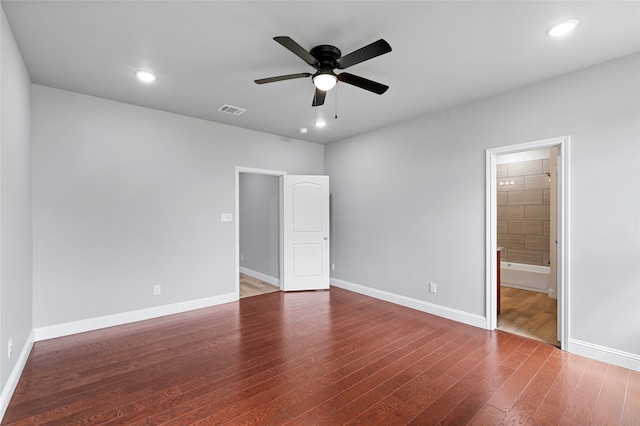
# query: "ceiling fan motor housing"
[[327, 56]]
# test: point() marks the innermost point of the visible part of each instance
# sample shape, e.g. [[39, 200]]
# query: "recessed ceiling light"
[[320, 123], [303, 130], [146, 76], [563, 28]]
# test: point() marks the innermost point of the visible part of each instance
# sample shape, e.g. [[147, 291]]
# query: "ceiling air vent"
[[228, 109]]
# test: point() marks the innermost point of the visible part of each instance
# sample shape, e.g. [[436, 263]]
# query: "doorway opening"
[[257, 231], [527, 200], [527, 235], [303, 235]]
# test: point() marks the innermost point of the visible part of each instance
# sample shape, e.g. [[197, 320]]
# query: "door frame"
[[491, 215], [251, 170]]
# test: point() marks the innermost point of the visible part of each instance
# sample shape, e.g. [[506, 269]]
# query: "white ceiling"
[[207, 53]]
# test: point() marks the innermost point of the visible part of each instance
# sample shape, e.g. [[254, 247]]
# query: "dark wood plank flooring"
[[328, 357]]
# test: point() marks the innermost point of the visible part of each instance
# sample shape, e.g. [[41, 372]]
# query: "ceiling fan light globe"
[[325, 82]]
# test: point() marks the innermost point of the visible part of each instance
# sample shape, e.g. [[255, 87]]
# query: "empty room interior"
[[320, 212]]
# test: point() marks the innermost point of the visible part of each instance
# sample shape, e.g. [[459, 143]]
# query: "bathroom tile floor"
[[528, 313]]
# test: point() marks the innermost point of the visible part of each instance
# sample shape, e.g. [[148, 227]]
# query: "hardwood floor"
[[304, 358], [250, 286], [529, 313]]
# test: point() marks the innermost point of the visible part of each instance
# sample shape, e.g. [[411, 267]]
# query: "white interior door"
[[305, 232]]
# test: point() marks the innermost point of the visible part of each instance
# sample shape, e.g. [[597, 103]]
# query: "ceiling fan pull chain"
[[336, 117]]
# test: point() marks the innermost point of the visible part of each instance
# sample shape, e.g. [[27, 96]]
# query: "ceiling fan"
[[325, 59]]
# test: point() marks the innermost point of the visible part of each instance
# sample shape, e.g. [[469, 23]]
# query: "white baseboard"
[[420, 305], [259, 275], [66, 329], [605, 354], [14, 377], [524, 287]]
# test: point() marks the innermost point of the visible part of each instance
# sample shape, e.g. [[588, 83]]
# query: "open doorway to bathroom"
[[526, 233], [527, 286]]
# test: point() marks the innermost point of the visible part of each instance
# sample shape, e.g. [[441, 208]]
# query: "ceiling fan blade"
[[372, 50], [318, 97], [363, 83], [297, 50], [282, 77]]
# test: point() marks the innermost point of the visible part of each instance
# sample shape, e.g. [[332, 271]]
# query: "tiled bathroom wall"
[[523, 211]]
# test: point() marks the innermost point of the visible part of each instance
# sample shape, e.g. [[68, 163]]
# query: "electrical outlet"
[[10, 348], [241, 257], [432, 287], [333, 266], [156, 289]]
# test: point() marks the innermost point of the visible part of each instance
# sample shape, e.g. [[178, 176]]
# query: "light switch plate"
[[226, 217]]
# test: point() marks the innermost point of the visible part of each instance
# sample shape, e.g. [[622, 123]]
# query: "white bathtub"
[[527, 277]]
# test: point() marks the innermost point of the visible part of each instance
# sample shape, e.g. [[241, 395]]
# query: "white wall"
[[408, 201], [259, 223], [128, 197], [15, 209]]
